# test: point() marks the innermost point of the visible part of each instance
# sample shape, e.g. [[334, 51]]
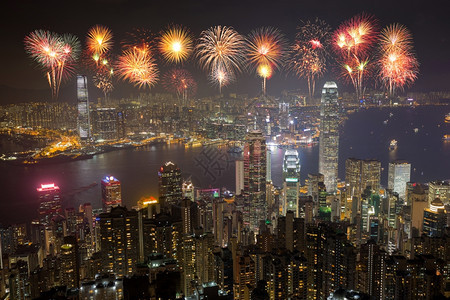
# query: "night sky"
[[427, 20]]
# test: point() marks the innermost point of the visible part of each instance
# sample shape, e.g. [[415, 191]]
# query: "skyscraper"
[[106, 124], [329, 135], [170, 184], [49, 202], [361, 174], [291, 181], [255, 164], [435, 219], [399, 174], [111, 193], [239, 176], [119, 241], [84, 122]]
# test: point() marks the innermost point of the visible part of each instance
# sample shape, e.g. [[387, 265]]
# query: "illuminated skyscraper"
[[69, 264], [49, 202], [84, 122], [255, 164], [361, 174], [111, 193], [435, 219], [239, 176], [291, 181], [170, 184], [105, 124], [399, 174], [119, 241], [329, 135]]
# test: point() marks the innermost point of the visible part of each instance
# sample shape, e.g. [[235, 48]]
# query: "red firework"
[[181, 82]]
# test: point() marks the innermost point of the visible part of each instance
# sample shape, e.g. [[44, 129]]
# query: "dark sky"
[[428, 21]]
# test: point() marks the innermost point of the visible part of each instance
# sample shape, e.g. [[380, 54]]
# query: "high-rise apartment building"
[[111, 193], [291, 181], [398, 175], [119, 241], [170, 184], [255, 164], [83, 120], [329, 135], [49, 202]]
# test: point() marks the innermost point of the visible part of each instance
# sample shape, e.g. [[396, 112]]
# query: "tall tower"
[[329, 136], [398, 175], [291, 181], [120, 241], [239, 176], [83, 120], [111, 193], [170, 184], [255, 164], [49, 202]]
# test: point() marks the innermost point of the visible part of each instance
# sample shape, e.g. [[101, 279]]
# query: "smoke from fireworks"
[[176, 44], [309, 52], [181, 82], [220, 51], [353, 42], [398, 66], [139, 38], [138, 67], [56, 54]]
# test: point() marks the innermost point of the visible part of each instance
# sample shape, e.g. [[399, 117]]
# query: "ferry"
[[446, 137], [393, 145], [416, 130], [447, 118]]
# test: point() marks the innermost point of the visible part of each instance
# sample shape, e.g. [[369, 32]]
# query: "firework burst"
[[140, 38], [99, 39], [266, 51], [353, 43], [181, 82], [103, 81], [175, 44], [138, 67], [266, 46], [398, 66], [221, 51], [309, 52], [55, 54], [221, 77]]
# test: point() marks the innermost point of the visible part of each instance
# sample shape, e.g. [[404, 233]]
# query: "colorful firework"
[[266, 46], [175, 44], [55, 53], [353, 43], [103, 81], [221, 51], [398, 66], [139, 38], [181, 82], [266, 51], [309, 52], [221, 77], [99, 40], [138, 67]]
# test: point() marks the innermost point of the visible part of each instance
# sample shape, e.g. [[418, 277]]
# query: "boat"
[[416, 130], [447, 118], [446, 137], [393, 145], [385, 122]]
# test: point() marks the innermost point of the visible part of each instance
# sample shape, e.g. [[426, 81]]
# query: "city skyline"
[[232, 150]]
